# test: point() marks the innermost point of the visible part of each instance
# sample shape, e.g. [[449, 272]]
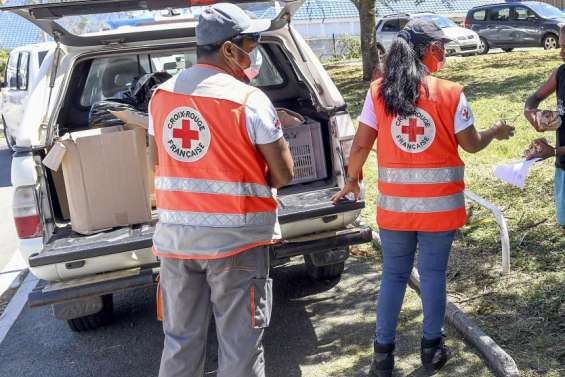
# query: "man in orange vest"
[[220, 151], [420, 122]]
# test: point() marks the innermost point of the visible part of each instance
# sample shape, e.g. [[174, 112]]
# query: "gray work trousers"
[[238, 291]]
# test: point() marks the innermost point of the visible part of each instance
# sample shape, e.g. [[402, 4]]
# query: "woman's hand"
[[351, 187], [502, 130]]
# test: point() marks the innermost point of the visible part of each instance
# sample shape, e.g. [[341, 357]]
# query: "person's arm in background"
[[468, 137], [532, 103]]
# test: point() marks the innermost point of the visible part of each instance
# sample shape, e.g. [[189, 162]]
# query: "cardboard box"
[[59, 183], [135, 120], [105, 177]]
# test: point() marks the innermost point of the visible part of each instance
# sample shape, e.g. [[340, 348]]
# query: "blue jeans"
[[399, 249], [560, 195]]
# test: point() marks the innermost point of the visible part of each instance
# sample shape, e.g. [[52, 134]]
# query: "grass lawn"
[[525, 310]]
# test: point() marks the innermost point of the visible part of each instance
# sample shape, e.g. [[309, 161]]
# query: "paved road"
[[319, 329]]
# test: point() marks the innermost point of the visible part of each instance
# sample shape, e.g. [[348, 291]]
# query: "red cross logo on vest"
[[414, 134], [186, 135], [412, 130]]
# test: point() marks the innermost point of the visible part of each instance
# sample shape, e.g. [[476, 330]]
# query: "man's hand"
[[351, 187], [502, 130], [539, 148]]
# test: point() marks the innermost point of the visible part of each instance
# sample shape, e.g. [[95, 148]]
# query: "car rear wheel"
[[483, 46], [96, 320], [329, 272], [550, 42], [507, 49]]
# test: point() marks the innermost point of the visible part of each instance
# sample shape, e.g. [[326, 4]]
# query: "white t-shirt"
[[263, 125], [464, 117]]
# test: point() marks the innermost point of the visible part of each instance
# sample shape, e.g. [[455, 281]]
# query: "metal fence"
[[333, 47]]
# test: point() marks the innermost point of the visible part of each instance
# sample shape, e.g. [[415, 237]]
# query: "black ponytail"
[[403, 75]]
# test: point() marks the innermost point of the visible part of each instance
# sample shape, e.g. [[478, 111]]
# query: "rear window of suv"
[[480, 15], [499, 14], [111, 76]]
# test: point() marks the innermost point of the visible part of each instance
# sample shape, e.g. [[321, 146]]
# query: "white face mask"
[[256, 59]]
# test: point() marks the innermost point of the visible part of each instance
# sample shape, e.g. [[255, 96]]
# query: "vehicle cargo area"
[[108, 78]]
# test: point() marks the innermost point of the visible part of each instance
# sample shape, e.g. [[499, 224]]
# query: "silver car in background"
[[465, 41]]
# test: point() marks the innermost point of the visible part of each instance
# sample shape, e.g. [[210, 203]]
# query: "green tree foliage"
[[3, 62]]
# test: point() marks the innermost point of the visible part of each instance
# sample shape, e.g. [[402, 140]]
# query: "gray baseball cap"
[[220, 22]]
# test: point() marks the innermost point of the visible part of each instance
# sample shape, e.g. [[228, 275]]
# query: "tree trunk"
[[369, 49]]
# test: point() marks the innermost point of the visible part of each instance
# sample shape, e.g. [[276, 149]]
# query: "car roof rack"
[[403, 14], [397, 15]]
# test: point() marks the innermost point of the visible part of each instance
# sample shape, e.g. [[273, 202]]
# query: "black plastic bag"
[[100, 115]]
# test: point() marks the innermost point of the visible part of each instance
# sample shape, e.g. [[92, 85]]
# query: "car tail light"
[[466, 24], [26, 213]]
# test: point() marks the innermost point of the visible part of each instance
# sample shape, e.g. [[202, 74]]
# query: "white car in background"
[[465, 41], [20, 77]]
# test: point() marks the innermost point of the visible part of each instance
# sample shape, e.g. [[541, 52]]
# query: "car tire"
[[507, 49], [550, 41], [329, 272], [483, 46], [94, 321]]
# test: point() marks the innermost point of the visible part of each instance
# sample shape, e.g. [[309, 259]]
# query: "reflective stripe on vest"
[[218, 220], [422, 205], [421, 175], [204, 186]]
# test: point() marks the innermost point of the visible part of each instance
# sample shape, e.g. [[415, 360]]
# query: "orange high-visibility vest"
[[420, 172], [210, 174]]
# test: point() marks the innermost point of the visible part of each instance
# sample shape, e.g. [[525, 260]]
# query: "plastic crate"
[[307, 148]]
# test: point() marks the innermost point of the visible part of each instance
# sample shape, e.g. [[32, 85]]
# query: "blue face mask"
[[256, 59]]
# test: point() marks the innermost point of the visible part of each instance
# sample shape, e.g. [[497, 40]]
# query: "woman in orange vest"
[[418, 122]]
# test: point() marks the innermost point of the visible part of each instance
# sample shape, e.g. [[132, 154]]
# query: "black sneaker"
[[383, 360], [434, 354]]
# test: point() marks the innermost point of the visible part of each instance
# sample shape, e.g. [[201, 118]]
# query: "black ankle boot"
[[434, 354], [383, 361]]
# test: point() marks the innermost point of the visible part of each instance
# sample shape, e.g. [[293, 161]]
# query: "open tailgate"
[[46, 15]]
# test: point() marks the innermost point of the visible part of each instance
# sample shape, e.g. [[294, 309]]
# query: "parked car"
[[20, 77], [80, 273], [516, 24], [465, 42]]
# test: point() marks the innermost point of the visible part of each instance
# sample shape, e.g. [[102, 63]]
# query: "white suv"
[[80, 273], [465, 41], [20, 77]]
